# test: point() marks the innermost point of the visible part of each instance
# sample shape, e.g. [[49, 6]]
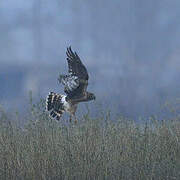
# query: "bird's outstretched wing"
[[75, 83], [76, 67]]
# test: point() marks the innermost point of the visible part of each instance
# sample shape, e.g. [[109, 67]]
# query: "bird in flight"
[[75, 87]]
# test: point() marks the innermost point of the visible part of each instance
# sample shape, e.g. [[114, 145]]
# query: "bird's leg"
[[70, 118], [75, 119]]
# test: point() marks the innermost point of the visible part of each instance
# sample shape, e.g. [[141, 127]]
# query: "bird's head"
[[90, 96]]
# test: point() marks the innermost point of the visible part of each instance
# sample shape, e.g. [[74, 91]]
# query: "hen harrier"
[[75, 86]]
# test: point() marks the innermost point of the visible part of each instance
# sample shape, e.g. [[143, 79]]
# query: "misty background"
[[130, 48]]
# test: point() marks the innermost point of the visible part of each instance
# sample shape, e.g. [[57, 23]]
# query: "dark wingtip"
[[70, 53], [69, 49]]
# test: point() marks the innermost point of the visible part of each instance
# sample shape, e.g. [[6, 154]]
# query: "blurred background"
[[131, 50]]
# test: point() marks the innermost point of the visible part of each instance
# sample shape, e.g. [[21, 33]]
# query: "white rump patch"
[[66, 105]]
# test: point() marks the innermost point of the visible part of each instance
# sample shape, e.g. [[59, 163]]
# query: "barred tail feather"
[[54, 105]]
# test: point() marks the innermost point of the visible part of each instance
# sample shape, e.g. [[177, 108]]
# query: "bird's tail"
[[54, 105]]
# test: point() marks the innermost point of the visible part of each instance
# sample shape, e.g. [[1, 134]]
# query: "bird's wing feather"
[[75, 66], [75, 84], [70, 82]]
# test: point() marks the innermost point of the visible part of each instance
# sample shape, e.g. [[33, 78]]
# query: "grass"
[[93, 149]]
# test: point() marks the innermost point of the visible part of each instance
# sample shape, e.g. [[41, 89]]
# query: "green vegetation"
[[92, 149]]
